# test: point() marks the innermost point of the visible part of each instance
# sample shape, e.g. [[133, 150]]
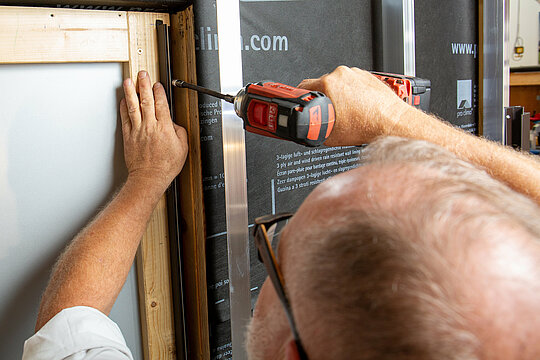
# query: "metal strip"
[[391, 15], [234, 161], [496, 71], [173, 209], [394, 36], [409, 43]]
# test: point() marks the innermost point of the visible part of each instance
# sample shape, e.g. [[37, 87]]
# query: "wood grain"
[[153, 264], [525, 79], [40, 35], [191, 190], [526, 96]]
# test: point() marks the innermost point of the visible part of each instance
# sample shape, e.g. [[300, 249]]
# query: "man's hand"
[[94, 267], [365, 107], [155, 148]]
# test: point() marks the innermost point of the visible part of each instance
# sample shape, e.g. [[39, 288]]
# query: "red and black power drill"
[[303, 116]]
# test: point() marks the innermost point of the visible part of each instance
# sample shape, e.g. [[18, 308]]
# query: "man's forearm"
[[366, 108], [519, 171], [94, 267]]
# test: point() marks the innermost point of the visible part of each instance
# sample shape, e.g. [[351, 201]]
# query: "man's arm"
[[366, 109], [94, 267]]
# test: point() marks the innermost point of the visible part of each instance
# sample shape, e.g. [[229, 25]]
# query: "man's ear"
[[291, 352]]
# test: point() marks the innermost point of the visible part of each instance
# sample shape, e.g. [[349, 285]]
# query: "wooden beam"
[[153, 264], [525, 78], [191, 190], [40, 35]]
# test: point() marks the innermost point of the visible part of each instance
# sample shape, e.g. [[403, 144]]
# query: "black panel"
[[285, 42], [288, 41], [117, 5], [447, 53]]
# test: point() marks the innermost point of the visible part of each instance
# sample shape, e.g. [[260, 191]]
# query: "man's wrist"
[[147, 183]]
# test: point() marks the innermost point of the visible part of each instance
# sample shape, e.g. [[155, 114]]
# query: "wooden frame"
[[191, 190], [525, 78], [524, 90], [41, 35]]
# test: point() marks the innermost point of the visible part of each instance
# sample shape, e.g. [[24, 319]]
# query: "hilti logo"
[[464, 49]]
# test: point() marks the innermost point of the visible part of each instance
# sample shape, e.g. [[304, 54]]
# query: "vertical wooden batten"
[[153, 267], [191, 189]]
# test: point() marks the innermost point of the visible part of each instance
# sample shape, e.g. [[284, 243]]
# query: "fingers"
[[304, 84], [132, 103], [146, 97], [162, 106], [126, 122]]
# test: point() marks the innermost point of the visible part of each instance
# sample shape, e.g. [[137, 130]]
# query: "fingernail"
[[157, 85], [128, 82], [142, 74]]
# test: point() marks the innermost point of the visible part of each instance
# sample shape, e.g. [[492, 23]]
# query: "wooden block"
[[153, 264], [526, 96], [525, 79], [40, 35], [191, 189]]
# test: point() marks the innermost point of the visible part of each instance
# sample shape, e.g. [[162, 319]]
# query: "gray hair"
[[389, 283]]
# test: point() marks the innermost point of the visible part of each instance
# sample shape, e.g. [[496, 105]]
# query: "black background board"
[[320, 35], [284, 41], [447, 54], [116, 5]]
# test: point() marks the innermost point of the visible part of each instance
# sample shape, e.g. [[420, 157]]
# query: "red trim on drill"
[[314, 122], [262, 115], [331, 120], [273, 89]]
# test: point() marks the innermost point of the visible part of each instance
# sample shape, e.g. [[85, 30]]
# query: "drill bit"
[[183, 84]]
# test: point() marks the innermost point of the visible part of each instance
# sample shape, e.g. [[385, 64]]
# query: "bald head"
[[414, 255]]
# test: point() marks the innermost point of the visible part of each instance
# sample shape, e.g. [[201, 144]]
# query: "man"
[[416, 255]]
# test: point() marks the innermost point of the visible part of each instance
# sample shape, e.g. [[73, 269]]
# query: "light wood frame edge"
[[191, 189]]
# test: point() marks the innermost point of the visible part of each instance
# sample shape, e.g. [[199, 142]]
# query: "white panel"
[[528, 31], [61, 159]]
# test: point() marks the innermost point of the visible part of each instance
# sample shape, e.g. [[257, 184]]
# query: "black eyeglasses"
[[266, 233]]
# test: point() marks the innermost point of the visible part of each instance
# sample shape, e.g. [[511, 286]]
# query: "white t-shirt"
[[78, 333]]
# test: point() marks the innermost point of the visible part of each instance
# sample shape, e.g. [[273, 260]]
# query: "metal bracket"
[[234, 161]]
